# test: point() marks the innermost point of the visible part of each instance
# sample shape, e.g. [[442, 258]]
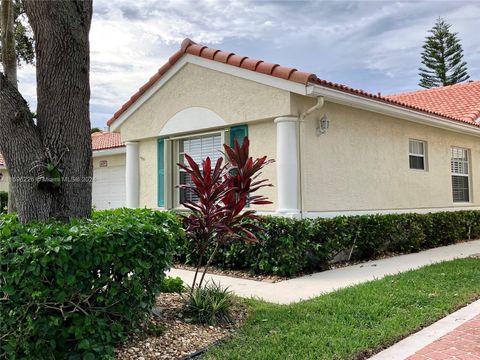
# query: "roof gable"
[[188, 47]]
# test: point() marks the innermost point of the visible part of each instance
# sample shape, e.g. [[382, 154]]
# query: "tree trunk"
[[61, 136], [9, 63], [21, 146], [9, 58]]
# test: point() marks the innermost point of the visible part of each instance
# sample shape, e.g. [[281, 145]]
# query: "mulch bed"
[[175, 337]]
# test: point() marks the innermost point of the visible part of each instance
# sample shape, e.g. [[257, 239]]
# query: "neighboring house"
[[4, 177], [338, 151], [108, 186]]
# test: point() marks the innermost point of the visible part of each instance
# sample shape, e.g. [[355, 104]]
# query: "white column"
[[132, 176], [287, 166]]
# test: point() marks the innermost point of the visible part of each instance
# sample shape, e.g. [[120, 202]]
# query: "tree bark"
[[9, 58], [61, 135], [9, 63], [21, 146]]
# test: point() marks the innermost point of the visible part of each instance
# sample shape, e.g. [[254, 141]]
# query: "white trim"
[[397, 111], [213, 65], [264, 79], [467, 175], [108, 152], [331, 214], [195, 134], [176, 158], [182, 122], [423, 155]]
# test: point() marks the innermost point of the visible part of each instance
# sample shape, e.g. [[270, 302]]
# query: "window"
[[460, 175], [417, 154], [199, 148]]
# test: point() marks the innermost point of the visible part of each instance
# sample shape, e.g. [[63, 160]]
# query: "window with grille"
[[417, 154], [460, 175], [199, 148]]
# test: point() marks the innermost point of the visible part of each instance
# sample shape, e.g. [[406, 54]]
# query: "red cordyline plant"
[[223, 192]]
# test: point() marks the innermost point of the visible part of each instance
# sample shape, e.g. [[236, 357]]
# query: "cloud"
[[371, 45]]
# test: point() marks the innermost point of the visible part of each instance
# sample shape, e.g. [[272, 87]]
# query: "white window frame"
[[469, 171], [175, 158], [424, 155]]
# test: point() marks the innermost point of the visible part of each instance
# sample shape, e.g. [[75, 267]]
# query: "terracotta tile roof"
[[291, 74], [459, 101], [103, 140]]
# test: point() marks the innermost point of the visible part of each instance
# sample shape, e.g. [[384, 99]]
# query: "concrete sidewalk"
[[309, 286]]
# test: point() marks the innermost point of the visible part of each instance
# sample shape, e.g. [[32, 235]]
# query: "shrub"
[[72, 290], [289, 247], [209, 304], [222, 192], [172, 285]]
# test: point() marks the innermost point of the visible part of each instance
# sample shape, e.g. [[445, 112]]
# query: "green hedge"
[[290, 247], [71, 291]]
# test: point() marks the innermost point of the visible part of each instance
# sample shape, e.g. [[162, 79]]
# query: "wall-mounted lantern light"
[[322, 125]]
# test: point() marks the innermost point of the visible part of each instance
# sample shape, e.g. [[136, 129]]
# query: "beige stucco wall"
[[263, 142], [263, 138], [5, 180], [112, 160], [234, 99], [362, 163]]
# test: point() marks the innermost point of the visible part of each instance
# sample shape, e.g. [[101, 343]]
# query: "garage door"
[[108, 187]]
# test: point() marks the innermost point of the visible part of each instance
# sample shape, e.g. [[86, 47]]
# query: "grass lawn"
[[355, 322]]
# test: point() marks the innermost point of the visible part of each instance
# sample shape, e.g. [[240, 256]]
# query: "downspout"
[[302, 117]]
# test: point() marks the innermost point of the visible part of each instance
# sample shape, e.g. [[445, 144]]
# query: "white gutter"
[[107, 152], [318, 105], [397, 111]]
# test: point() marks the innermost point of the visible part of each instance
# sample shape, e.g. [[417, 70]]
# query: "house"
[[108, 185], [4, 177], [338, 150]]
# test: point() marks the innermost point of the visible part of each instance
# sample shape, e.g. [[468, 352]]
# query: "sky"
[[370, 45]]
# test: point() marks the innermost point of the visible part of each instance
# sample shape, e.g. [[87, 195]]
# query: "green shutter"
[[238, 132], [161, 172]]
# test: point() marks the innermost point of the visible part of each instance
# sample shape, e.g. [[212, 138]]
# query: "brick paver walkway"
[[463, 343]]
